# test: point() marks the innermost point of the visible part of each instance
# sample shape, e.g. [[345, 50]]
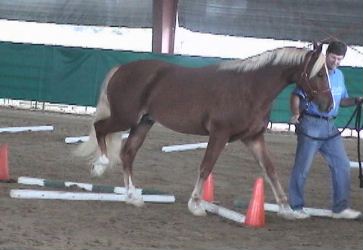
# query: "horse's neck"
[[275, 80]]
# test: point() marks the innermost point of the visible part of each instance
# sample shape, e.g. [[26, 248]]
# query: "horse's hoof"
[[134, 197], [195, 208], [286, 212], [98, 170], [99, 166], [137, 202]]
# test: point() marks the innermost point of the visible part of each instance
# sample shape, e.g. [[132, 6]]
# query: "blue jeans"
[[333, 152]]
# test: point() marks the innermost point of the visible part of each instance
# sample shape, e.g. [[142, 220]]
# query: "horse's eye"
[[320, 74]]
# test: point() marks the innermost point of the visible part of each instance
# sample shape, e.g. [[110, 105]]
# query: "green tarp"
[[74, 75]]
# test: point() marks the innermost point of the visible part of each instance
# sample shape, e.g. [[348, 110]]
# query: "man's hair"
[[337, 48]]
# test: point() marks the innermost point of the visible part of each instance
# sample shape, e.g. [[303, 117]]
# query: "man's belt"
[[319, 116]]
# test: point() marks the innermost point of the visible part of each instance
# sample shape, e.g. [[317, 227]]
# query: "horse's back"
[[140, 79]]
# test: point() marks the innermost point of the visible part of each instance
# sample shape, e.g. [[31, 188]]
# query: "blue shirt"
[[338, 90]]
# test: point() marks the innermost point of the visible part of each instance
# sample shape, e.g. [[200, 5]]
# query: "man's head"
[[335, 54]]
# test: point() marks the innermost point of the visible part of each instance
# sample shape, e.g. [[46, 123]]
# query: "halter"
[[305, 79]]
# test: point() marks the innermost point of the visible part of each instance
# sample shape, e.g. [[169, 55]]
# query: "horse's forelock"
[[286, 55], [319, 63]]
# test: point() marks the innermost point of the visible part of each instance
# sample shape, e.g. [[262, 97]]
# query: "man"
[[310, 123]]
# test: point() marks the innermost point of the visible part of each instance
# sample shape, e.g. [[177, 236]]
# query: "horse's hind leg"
[[102, 129], [215, 146], [259, 150], [133, 143]]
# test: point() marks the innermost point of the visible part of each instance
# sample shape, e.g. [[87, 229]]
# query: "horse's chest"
[[248, 129]]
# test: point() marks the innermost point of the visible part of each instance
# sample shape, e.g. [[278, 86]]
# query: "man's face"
[[333, 60]]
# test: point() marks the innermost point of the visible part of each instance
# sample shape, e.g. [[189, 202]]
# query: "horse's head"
[[314, 79]]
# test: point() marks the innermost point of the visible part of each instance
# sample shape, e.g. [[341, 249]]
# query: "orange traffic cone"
[[4, 171], [208, 189], [256, 212]]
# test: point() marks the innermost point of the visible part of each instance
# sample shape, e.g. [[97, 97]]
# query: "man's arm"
[[295, 108], [351, 101]]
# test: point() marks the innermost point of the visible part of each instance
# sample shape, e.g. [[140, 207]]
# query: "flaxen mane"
[[287, 55]]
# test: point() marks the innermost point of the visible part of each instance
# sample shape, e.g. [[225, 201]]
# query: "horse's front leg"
[[259, 150], [215, 146]]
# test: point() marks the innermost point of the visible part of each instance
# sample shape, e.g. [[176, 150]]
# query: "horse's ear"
[[318, 47], [315, 45]]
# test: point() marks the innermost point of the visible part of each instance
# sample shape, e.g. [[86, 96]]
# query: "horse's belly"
[[183, 125]]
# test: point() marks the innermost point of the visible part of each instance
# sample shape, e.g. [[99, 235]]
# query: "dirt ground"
[[81, 225]]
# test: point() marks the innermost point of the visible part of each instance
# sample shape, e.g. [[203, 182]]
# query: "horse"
[[227, 101]]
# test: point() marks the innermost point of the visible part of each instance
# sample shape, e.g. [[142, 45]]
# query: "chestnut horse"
[[228, 101]]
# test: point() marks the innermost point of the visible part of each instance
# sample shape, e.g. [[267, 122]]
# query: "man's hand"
[[358, 100], [295, 119]]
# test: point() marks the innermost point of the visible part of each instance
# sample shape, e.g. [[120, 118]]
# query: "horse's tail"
[[90, 149]]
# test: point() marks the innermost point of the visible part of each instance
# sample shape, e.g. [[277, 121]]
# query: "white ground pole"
[[85, 186], [223, 212], [26, 129], [311, 211], [77, 139], [68, 184], [79, 196], [355, 164], [184, 147], [73, 139]]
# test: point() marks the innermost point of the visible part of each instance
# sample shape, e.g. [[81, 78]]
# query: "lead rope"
[[355, 113], [358, 128]]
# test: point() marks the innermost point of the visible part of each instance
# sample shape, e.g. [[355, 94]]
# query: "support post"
[[164, 22]]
